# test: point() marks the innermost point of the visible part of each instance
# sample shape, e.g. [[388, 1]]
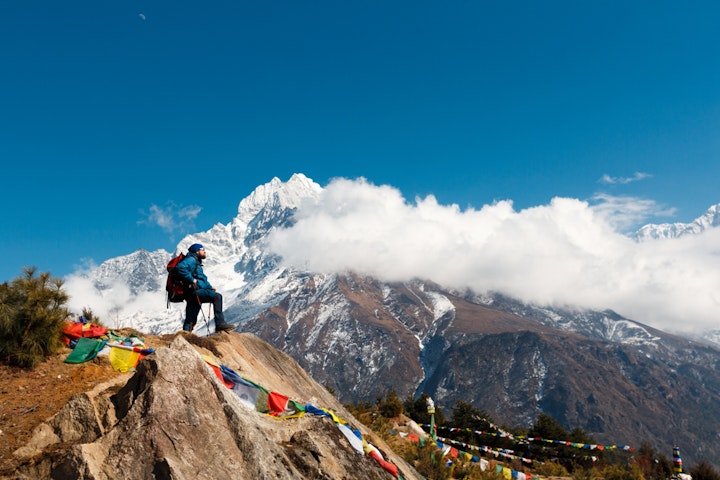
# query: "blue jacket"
[[190, 268]]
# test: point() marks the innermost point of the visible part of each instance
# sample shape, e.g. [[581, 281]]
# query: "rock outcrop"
[[174, 419]]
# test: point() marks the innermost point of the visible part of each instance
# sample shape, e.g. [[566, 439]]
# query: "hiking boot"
[[224, 327]]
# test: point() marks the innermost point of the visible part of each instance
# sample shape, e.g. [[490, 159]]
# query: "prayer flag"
[[677, 460], [124, 360], [85, 350], [354, 440], [248, 394]]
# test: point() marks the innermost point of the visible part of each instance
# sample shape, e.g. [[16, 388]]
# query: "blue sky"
[[113, 110]]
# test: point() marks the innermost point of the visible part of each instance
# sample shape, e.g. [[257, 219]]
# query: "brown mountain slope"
[[619, 382]]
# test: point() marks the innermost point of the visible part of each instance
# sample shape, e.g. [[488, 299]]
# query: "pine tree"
[[416, 408], [390, 406], [469, 419], [547, 427], [32, 316]]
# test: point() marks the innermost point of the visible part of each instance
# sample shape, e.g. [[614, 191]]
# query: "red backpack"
[[174, 284]]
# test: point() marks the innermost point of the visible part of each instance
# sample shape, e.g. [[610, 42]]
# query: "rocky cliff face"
[[175, 419]]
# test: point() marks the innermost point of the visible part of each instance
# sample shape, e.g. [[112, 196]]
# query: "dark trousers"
[[194, 301]]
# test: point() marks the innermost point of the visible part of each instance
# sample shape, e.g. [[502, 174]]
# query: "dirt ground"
[[28, 397]]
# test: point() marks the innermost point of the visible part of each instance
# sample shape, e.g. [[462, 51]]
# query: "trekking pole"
[[207, 325]]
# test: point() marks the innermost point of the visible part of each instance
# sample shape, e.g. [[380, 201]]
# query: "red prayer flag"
[[277, 402]]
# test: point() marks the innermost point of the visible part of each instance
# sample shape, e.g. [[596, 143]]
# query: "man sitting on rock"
[[199, 290]]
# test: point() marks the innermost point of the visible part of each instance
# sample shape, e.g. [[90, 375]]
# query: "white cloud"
[[625, 212], [566, 253], [623, 180], [115, 305], [171, 218]]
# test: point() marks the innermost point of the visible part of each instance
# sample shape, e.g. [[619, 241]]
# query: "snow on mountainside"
[[364, 337], [131, 287], [251, 280], [278, 195], [710, 219], [606, 325], [137, 271]]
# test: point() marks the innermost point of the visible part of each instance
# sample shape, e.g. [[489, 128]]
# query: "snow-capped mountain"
[[609, 375], [710, 219], [131, 287]]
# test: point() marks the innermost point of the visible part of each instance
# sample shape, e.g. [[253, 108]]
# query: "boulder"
[[174, 419]]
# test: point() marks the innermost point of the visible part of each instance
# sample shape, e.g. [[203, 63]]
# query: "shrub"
[[551, 469], [90, 316], [428, 462], [653, 464], [704, 471], [585, 474], [620, 472], [32, 316]]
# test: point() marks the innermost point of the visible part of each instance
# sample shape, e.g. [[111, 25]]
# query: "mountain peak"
[[276, 193], [710, 219]]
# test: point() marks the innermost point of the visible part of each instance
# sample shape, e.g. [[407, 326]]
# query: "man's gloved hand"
[[192, 287]]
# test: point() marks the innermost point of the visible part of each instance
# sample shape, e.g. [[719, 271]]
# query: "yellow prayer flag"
[[123, 360]]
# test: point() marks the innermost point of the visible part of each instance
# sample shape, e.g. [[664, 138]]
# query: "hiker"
[[199, 290]]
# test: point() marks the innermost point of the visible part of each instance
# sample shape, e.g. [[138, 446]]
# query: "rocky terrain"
[[173, 418]]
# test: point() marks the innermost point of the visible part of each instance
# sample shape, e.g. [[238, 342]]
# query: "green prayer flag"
[[85, 350]]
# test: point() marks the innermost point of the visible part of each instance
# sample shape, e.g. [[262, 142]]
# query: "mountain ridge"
[[710, 219], [364, 337]]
